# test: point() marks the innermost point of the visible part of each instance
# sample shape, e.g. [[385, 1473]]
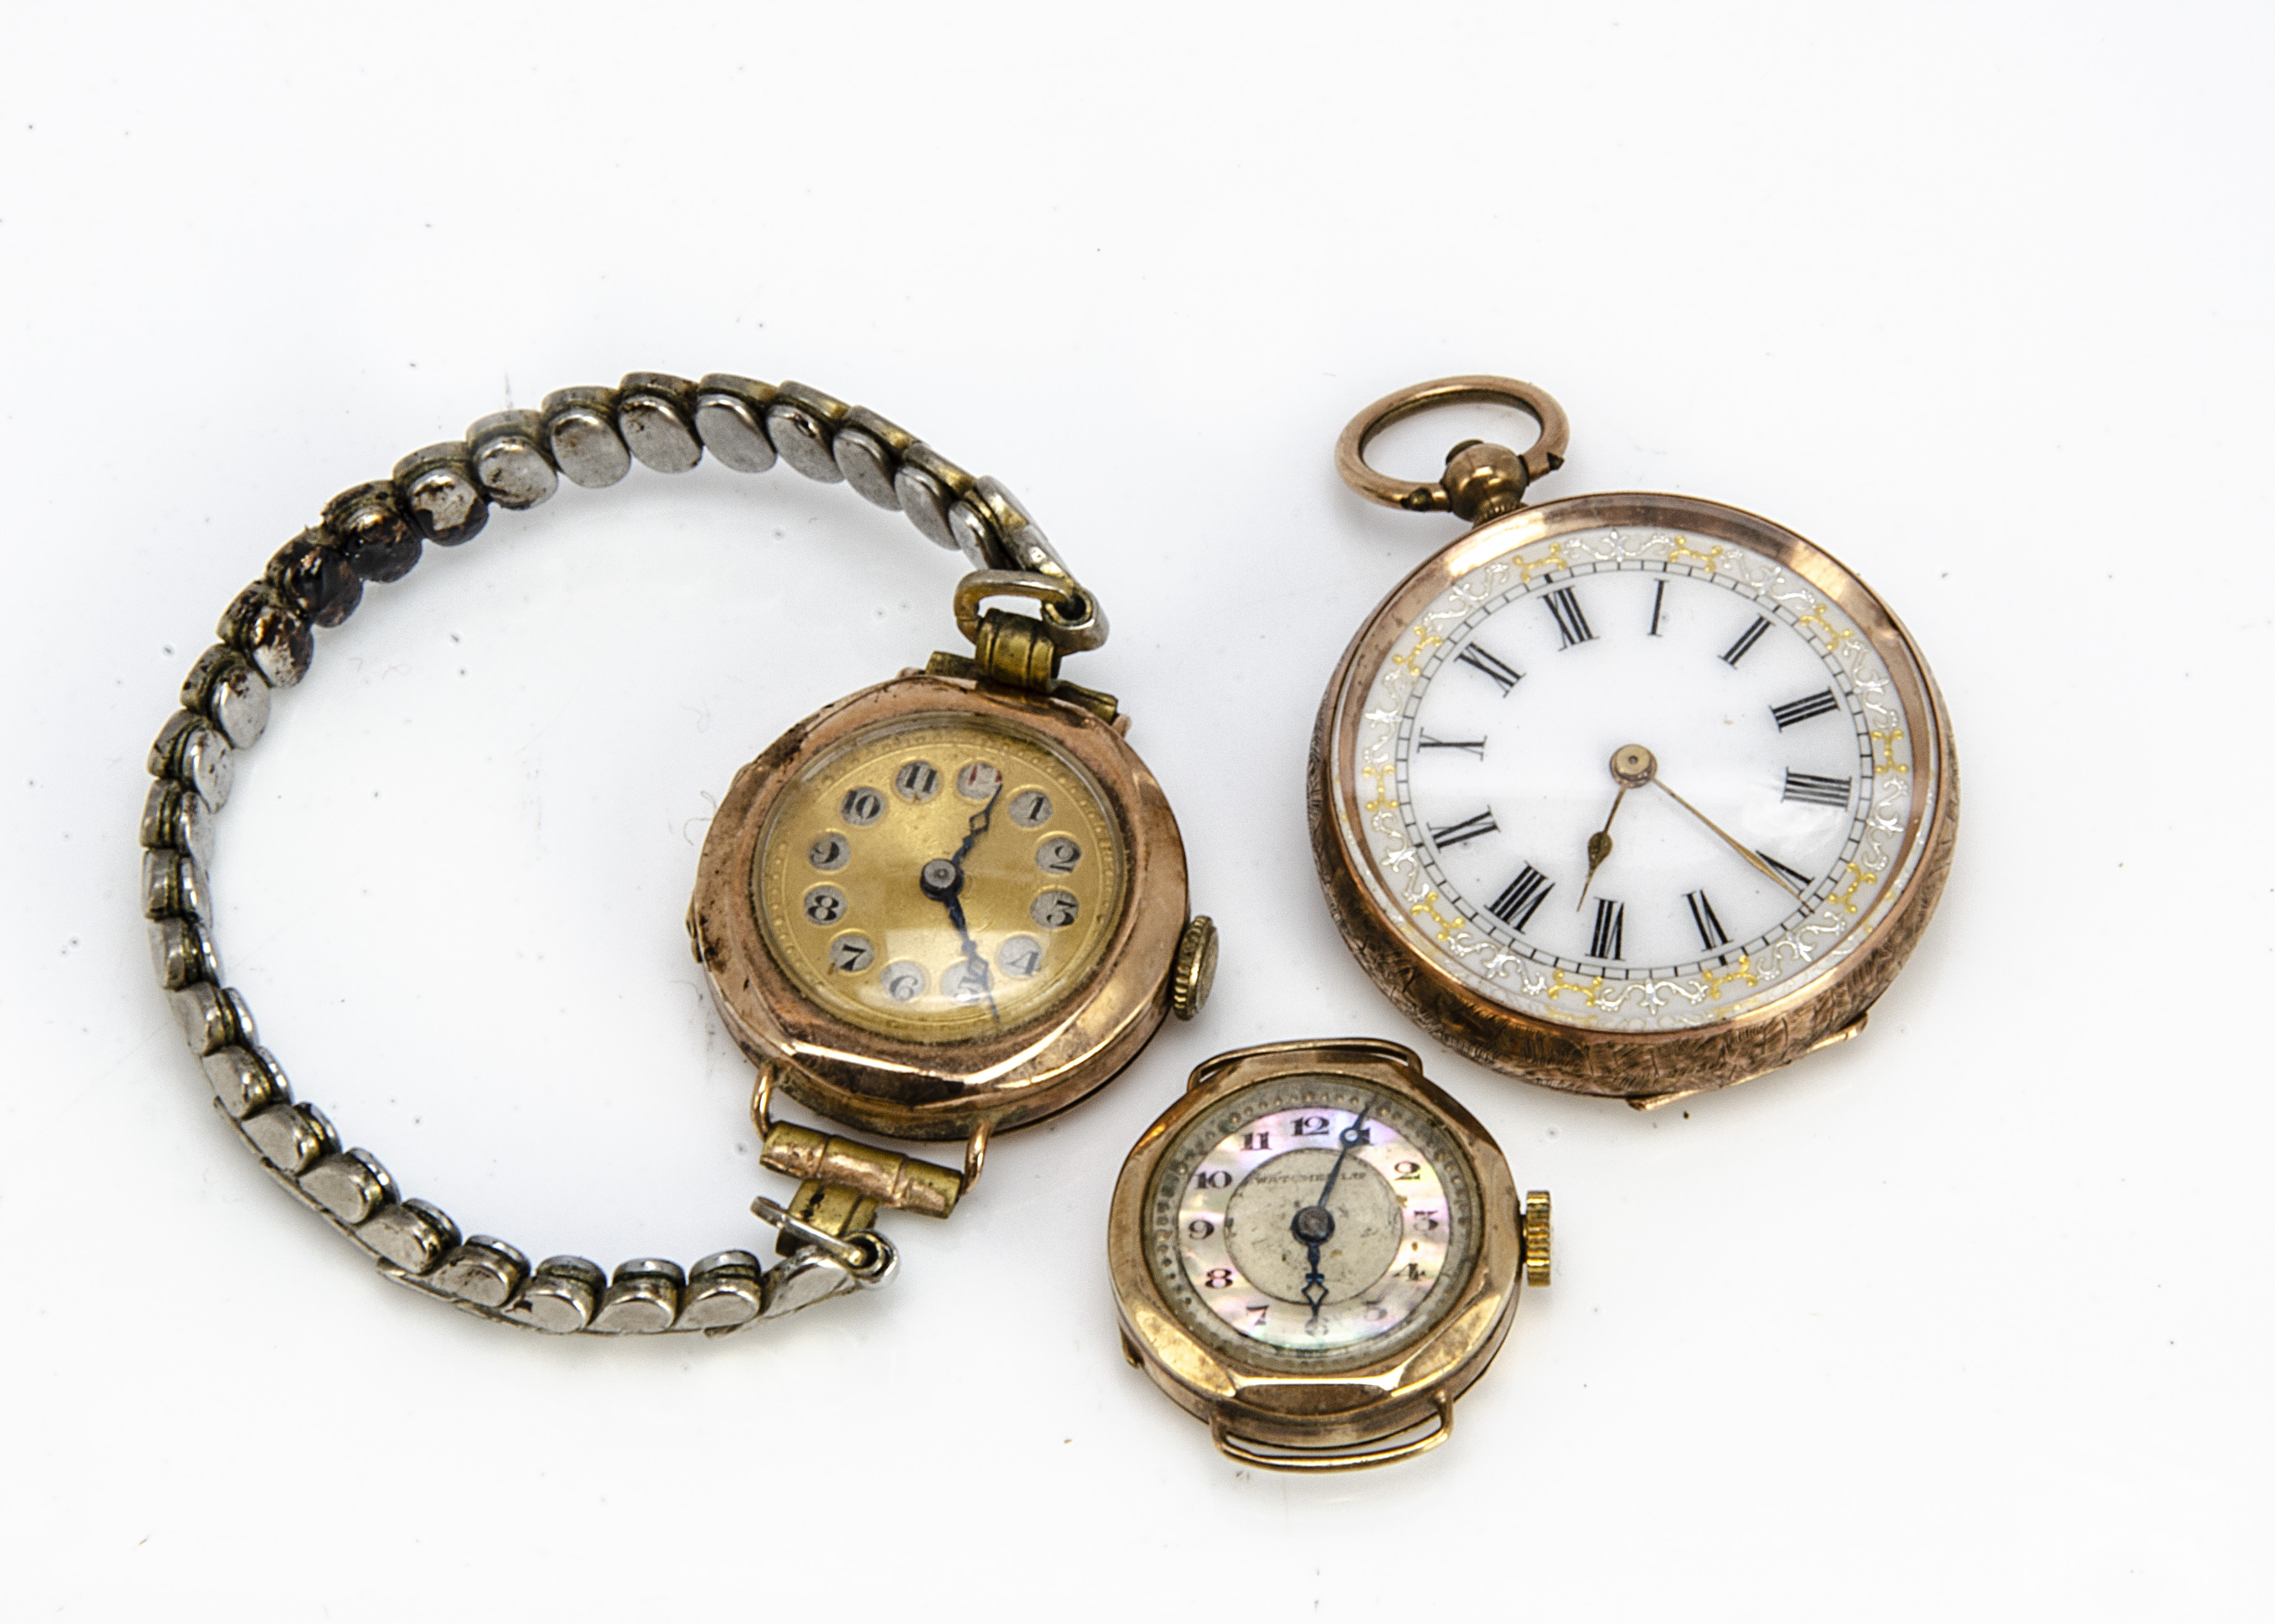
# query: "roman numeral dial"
[[1500, 672], [1815, 789], [1608, 940], [1467, 829], [1711, 933], [1468, 746], [1571, 622], [1622, 817], [1743, 646], [1521, 898], [1794, 711]]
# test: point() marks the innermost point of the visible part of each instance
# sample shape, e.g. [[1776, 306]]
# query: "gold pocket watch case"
[[1631, 795], [1316, 1251]]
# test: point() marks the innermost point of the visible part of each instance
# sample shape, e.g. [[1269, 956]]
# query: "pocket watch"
[[1316, 1251], [949, 904], [1630, 794]]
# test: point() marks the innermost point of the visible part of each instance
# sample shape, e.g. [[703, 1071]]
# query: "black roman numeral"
[[1475, 746], [1801, 710], [1611, 930], [1658, 602], [1468, 829], [1502, 673], [1711, 933], [1794, 876], [1816, 788], [1571, 624], [1747, 638], [1515, 906]]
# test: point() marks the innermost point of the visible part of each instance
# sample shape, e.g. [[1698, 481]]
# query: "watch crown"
[[1536, 1237], [1195, 970]]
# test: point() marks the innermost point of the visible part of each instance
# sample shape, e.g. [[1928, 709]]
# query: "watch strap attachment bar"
[[825, 1233], [1403, 1445]]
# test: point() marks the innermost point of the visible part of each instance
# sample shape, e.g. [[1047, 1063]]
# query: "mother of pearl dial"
[[1767, 780], [1225, 1245]]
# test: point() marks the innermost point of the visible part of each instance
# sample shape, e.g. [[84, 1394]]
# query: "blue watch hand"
[[942, 879], [1315, 1226]]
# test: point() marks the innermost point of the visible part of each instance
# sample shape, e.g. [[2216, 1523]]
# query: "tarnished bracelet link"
[[375, 532]]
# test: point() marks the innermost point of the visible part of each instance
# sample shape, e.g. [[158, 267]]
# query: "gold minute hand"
[[1766, 870]]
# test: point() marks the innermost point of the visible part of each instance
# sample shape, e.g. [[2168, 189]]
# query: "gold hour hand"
[[1632, 767], [1599, 846]]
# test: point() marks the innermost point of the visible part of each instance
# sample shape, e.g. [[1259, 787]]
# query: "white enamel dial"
[[1312, 1217], [1763, 779]]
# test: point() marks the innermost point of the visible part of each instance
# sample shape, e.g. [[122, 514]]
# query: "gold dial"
[[939, 878]]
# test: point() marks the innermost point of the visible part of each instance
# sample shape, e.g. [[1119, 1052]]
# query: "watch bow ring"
[[946, 906]]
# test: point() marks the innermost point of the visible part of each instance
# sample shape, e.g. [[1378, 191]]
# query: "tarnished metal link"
[[376, 533], [643, 1298], [212, 1017], [174, 883], [273, 634], [368, 526], [224, 688], [725, 1291], [291, 1137], [483, 1272], [440, 494], [246, 1081], [507, 450], [314, 579], [655, 414], [351, 1186], [191, 749], [802, 422], [580, 433], [868, 450], [414, 1235], [182, 953], [560, 1295], [176, 818], [730, 419], [927, 485]]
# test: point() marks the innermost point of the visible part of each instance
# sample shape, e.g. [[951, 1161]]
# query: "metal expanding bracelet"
[[375, 532]]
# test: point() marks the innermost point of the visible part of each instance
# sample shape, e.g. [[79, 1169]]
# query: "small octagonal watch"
[[1316, 1251], [951, 904], [1631, 793]]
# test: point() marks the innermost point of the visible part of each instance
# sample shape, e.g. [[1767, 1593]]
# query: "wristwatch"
[[1316, 1251], [951, 904]]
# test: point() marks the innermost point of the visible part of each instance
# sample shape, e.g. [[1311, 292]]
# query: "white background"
[[1970, 1317]]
